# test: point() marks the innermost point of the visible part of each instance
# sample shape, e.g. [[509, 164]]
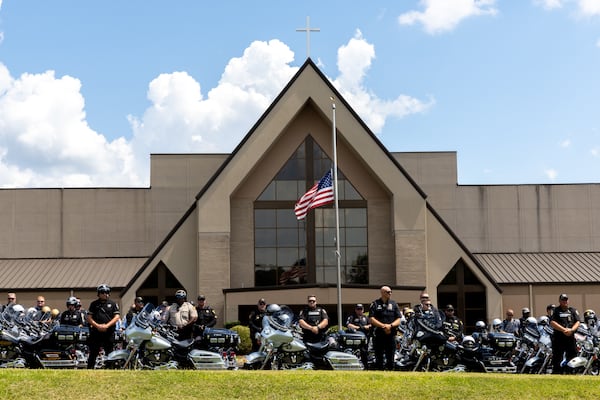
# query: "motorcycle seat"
[[318, 346], [182, 344]]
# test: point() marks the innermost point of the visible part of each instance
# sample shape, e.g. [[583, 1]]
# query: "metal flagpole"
[[337, 221]]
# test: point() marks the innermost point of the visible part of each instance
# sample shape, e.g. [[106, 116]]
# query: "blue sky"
[[89, 89]]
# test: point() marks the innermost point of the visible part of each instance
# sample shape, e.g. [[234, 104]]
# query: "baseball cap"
[[450, 307], [525, 310], [201, 297], [359, 306], [139, 300], [563, 297]]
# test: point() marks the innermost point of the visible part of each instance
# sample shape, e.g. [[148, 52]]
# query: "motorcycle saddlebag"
[[220, 337], [502, 341], [352, 339], [67, 334]]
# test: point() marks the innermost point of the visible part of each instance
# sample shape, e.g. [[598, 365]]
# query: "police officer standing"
[[565, 321], [71, 316], [182, 315], [207, 317], [313, 320], [384, 315], [102, 317], [255, 322]]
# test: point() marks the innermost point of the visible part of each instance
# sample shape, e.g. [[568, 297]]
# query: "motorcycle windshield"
[[144, 318], [281, 319]]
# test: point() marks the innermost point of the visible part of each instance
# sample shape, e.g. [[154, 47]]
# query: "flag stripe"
[[319, 195]]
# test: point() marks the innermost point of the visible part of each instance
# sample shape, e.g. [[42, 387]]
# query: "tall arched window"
[[288, 251]]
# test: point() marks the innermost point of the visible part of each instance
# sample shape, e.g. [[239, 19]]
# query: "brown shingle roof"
[[513, 268], [66, 273]]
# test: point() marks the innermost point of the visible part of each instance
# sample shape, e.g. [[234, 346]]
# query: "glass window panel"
[[265, 256], [264, 218], [356, 236], [265, 238], [286, 190], [356, 275], [329, 256], [287, 237], [287, 256], [356, 256], [327, 236], [350, 192], [265, 276], [355, 217], [330, 274], [319, 260], [269, 192], [286, 219], [292, 170]]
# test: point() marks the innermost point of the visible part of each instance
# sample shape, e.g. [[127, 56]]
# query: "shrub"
[[245, 343]]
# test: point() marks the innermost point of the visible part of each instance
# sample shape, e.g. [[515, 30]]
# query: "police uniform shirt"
[[356, 320], [180, 315], [386, 313], [104, 311], [452, 325], [73, 318], [206, 316], [565, 318], [313, 317]]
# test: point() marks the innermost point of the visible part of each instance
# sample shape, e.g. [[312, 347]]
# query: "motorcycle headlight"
[[588, 346]]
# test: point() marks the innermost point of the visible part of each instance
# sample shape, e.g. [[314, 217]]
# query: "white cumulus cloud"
[[45, 139], [589, 8], [444, 15], [354, 61]]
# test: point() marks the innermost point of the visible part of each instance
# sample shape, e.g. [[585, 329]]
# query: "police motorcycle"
[[11, 351], [587, 361], [485, 351], [282, 347], [33, 340], [150, 345], [526, 344], [429, 348], [540, 360]]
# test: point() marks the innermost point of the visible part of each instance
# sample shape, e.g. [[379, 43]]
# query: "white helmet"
[[531, 321], [18, 309], [496, 323], [544, 320], [469, 342]]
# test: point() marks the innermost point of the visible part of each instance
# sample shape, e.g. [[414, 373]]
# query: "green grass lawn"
[[83, 384]]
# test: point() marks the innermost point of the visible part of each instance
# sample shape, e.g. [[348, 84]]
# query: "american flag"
[[318, 195]]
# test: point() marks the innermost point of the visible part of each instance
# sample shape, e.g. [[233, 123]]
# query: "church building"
[[223, 225]]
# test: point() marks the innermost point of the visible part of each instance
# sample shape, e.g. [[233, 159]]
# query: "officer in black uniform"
[[313, 320], [255, 322], [452, 326], [358, 321], [207, 317], [384, 315], [71, 316], [565, 321], [102, 317]]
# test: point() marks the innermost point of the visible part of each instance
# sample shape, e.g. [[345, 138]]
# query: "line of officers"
[[103, 317], [382, 323]]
